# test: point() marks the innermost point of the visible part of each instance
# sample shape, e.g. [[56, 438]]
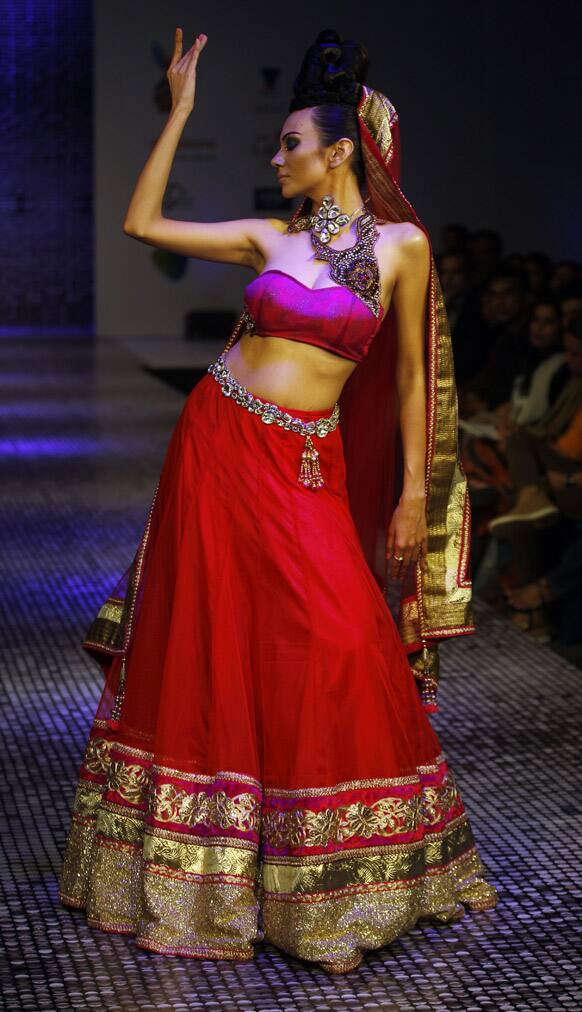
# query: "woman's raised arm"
[[238, 242]]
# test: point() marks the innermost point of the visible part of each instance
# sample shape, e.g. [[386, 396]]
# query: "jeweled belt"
[[309, 471]]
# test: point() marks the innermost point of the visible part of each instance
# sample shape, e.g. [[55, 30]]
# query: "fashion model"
[[261, 764]]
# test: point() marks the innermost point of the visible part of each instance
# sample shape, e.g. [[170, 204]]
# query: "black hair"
[[330, 83], [533, 356]]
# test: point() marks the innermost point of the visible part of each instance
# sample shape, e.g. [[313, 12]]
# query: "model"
[[261, 764]]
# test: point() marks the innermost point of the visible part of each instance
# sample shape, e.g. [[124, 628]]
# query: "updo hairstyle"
[[330, 83]]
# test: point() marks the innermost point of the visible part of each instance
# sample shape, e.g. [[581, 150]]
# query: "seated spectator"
[[553, 443], [535, 388], [483, 437], [563, 578], [463, 305], [538, 384], [507, 307], [548, 567]]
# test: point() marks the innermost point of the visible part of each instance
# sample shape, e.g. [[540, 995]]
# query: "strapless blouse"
[[333, 318]]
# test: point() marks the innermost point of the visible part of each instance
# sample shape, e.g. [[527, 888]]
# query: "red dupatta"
[[436, 604]]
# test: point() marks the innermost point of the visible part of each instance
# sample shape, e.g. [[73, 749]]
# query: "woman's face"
[[544, 327], [301, 162]]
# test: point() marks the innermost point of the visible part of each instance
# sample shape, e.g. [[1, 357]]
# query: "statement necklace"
[[355, 267], [329, 219]]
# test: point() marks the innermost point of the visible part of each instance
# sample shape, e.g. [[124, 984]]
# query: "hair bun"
[[332, 72]]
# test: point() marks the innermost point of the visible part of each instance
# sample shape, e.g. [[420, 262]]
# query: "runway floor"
[[84, 431]]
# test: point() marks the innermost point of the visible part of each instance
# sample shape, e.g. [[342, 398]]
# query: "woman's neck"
[[346, 195]]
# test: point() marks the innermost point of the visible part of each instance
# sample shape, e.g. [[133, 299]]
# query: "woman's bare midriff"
[[290, 373]]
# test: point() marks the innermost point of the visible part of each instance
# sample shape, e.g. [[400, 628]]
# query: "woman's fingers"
[[180, 62], [395, 569], [397, 561], [176, 55], [181, 72], [401, 558], [196, 49]]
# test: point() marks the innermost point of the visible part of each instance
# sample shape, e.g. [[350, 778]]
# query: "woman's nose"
[[277, 159]]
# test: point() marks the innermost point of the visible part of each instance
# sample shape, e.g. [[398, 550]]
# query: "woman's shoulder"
[[278, 224], [404, 234]]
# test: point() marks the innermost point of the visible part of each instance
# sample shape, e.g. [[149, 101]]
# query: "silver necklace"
[[329, 219]]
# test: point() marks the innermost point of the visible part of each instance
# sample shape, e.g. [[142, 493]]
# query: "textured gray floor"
[[83, 434]]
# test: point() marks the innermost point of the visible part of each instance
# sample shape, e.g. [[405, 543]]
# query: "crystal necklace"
[[329, 219], [355, 267]]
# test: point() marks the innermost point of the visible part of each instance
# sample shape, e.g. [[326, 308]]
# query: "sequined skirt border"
[[206, 866]]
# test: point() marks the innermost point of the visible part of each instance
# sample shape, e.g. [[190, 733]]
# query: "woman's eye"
[[292, 143]]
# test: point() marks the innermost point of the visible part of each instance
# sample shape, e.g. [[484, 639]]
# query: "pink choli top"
[[333, 318]]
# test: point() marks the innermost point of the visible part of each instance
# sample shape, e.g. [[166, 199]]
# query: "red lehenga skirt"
[[273, 774]]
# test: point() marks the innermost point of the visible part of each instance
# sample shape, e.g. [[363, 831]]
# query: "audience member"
[[552, 444], [483, 437], [463, 304], [505, 309], [544, 368], [520, 401], [485, 248], [561, 582]]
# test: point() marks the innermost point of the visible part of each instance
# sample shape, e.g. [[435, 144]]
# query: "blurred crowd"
[[516, 328]]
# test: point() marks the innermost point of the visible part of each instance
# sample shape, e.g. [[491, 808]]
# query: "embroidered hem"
[[207, 865]]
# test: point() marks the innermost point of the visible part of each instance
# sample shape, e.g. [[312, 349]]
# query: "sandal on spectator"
[[533, 622]]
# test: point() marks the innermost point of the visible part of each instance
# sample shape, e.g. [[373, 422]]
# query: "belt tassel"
[[113, 721], [310, 471]]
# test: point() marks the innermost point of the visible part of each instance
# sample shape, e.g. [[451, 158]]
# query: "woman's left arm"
[[407, 535]]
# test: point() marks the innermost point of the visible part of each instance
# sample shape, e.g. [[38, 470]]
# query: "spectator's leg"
[[526, 553], [524, 453], [528, 458], [562, 582]]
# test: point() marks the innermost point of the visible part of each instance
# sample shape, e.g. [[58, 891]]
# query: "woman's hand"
[[181, 73], [407, 535]]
